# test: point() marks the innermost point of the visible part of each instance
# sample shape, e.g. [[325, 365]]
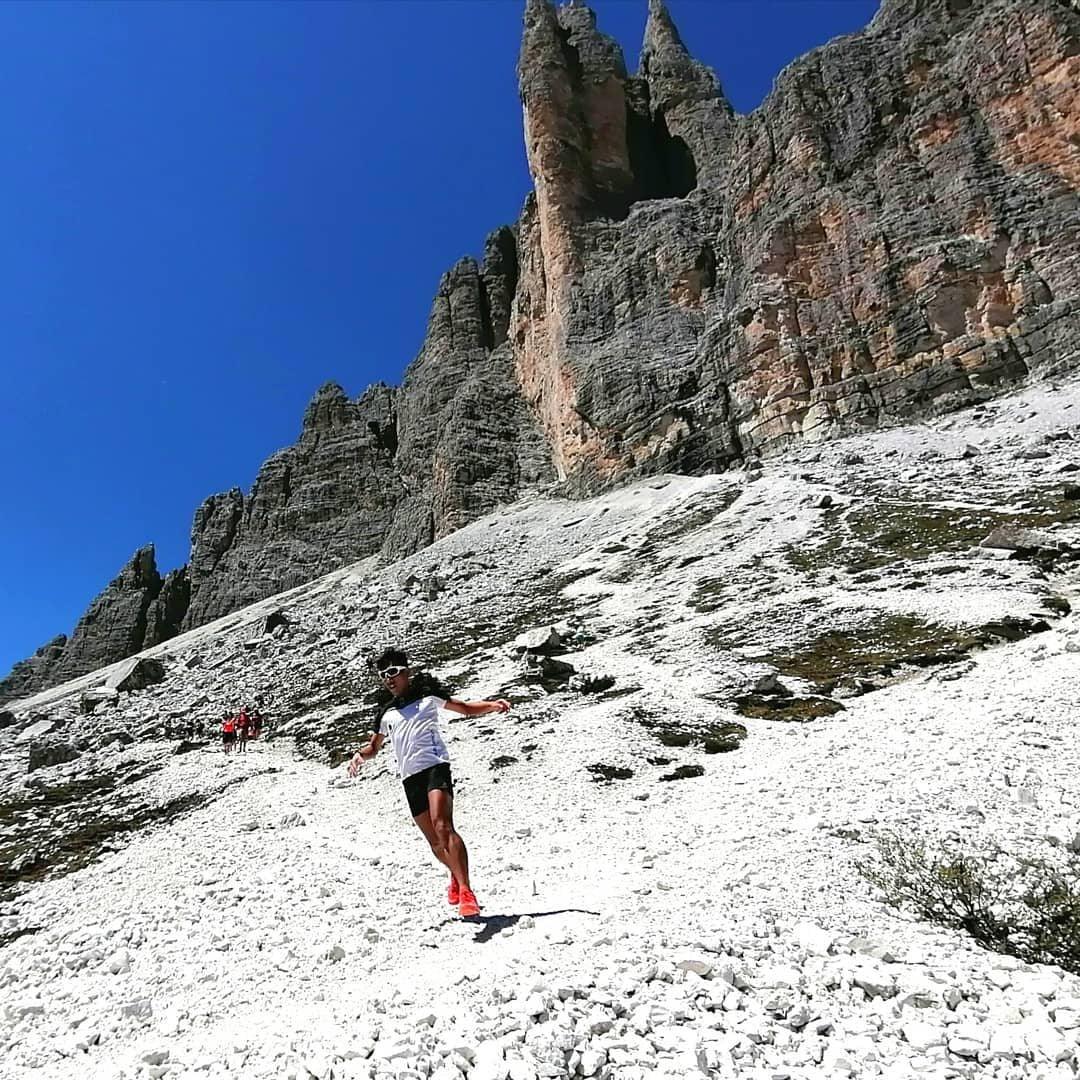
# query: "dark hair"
[[391, 658]]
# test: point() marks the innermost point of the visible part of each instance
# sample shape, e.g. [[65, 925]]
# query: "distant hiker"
[[256, 723], [243, 728], [228, 732], [411, 721]]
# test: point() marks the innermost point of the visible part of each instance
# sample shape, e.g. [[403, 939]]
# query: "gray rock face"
[[114, 626], [166, 614], [137, 609], [468, 442], [388, 473], [314, 506], [896, 230], [32, 674]]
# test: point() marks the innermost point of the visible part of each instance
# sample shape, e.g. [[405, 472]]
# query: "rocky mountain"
[[893, 232], [138, 609]]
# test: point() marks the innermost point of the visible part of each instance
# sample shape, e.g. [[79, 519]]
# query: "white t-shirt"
[[413, 729]]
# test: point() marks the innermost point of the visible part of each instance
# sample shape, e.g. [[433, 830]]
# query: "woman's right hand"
[[355, 763]]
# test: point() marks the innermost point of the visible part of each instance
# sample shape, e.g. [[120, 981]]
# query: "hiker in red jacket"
[[243, 728], [228, 732]]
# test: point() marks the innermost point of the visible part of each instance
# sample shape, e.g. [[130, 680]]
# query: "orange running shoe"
[[468, 905], [453, 893]]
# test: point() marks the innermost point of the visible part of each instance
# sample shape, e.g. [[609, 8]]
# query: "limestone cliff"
[[323, 502], [895, 230]]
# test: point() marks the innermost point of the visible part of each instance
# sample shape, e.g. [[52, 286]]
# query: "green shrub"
[[1027, 907]]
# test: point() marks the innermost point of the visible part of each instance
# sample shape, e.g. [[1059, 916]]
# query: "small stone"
[[968, 1040], [922, 1036], [1008, 1042], [591, 1062], [698, 967], [813, 939], [26, 1007], [119, 963], [874, 982]]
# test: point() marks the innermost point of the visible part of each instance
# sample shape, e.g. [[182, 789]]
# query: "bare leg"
[[427, 827], [441, 805]]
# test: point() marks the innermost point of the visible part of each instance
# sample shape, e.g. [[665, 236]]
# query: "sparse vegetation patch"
[[1027, 907]]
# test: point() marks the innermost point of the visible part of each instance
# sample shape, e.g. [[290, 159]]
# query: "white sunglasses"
[[391, 672]]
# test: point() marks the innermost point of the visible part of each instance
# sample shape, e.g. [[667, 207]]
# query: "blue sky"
[[213, 208]]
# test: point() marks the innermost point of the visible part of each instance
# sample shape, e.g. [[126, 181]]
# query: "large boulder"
[[50, 752], [38, 728], [136, 674], [543, 641], [96, 696]]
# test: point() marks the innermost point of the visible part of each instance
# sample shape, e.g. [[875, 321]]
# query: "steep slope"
[[895, 231], [654, 904]]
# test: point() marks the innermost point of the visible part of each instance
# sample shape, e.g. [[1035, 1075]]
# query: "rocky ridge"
[[922, 579], [893, 232], [138, 609]]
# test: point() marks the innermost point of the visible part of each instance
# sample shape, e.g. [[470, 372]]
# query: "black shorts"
[[228, 737], [417, 786]]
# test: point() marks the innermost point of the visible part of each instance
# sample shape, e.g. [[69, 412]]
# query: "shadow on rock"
[[490, 925]]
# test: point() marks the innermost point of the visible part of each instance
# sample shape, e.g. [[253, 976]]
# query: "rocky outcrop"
[[896, 230], [136, 610], [468, 440], [32, 674], [392, 471], [325, 501]]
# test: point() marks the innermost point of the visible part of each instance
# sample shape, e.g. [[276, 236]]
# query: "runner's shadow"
[[490, 925]]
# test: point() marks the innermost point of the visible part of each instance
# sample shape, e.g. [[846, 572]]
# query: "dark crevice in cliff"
[[641, 142], [487, 332], [385, 436], [138, 632], [678, 170]]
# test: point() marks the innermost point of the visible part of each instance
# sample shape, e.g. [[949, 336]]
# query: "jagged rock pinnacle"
[[674, 76], [660, 29]]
